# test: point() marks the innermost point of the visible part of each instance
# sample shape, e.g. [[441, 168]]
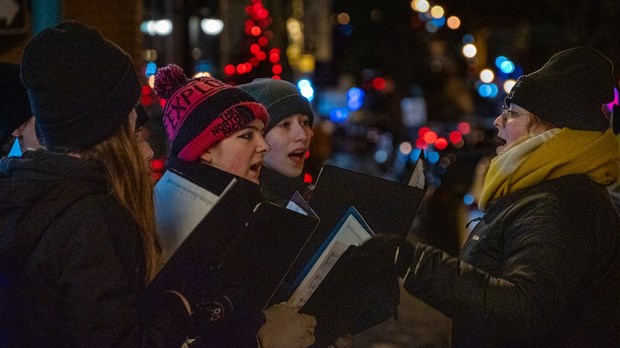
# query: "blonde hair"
[[536, 122], [131, 185]]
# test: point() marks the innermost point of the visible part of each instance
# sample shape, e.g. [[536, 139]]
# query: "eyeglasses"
[[506, 114]]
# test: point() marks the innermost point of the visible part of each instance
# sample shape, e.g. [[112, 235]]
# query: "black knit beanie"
[[14, 104], [82, 86], [569, 90], [281, 98]]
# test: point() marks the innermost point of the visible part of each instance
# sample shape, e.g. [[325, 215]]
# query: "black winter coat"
[[541, 269], [279, 188], [71, 262], [240, 327]]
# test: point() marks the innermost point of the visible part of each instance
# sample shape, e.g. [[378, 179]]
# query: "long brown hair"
[[131, 185]]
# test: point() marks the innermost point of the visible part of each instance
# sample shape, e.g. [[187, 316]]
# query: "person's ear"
[[206, 157], [17, 133]]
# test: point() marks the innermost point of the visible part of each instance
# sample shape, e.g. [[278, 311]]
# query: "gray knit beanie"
[[281, 98], [569, 90]]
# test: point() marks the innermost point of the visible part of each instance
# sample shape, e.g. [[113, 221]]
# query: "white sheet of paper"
[[350, 233], [180, 205]]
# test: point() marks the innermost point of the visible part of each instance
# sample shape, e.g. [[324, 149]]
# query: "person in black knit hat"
[[77, 238], [16, 120], [542, 266], [289, 133]]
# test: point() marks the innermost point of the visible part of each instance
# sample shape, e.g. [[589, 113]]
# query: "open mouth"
[[501, 144], [298, 154], [256, 166]]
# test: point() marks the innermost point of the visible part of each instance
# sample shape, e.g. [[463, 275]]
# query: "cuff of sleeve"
[[404, 257]]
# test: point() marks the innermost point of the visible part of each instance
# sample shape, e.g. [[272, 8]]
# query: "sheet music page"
[[299, 205], [418, 178], [180, 205], [351, 232]]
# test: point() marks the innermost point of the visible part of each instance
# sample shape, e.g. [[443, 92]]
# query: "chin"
[[293, 173]]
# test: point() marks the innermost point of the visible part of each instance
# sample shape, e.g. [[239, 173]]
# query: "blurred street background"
[[387, 79]]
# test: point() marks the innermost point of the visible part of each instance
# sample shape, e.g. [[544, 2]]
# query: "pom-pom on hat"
[[569, 90], [14, 104], [201, 112], [82, 86], [281, 98]]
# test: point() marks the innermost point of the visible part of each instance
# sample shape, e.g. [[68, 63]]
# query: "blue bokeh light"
[[432, 156], [338, 115], [468, 199]]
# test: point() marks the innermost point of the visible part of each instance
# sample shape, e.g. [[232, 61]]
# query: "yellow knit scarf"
[[550, 155]]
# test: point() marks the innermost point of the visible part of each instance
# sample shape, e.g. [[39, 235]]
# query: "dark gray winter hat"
[[81, 86], [569, 90], [281, 98]]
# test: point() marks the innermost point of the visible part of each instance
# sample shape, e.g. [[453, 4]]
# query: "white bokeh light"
[[211, 26], [470, 50]]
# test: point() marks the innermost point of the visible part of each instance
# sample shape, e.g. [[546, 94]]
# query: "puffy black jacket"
[[541, 269], [71, 261]]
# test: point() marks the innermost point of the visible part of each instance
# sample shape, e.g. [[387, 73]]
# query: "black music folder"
[[262, 253], [209, 234], [387, 206], [194, 255], [346, 301]]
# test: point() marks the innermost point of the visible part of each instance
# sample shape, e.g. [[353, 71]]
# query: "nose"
[[301, 133], [498, 122], [263, 146], [147, 151]]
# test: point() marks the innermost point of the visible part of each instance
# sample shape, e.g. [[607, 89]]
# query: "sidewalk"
[[418, 326]]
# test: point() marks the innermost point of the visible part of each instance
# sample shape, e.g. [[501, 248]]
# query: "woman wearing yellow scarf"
[[542, 267]]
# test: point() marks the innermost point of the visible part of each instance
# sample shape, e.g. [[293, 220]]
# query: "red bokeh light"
[[378, 83], [262, 13], [241, 69], [430, 137], [420, 143], [455, 137], [255, 31], [441, 143], [146, 90], [229, 69], [157, 164], [464, 128]]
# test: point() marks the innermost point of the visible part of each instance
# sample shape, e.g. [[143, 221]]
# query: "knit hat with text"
[[281, 98], [200, 112], [569, 90], [14, 104], [82, 86]]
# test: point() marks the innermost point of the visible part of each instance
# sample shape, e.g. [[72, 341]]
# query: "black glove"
[[221, 315], [211, 297], [385, 253]]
